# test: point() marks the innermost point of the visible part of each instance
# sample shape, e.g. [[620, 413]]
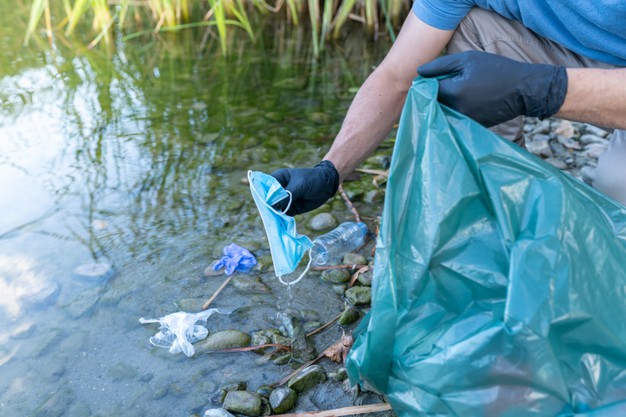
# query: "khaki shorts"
[[487, 31]]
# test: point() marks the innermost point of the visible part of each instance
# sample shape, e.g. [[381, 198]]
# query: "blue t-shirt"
[[593, 28]]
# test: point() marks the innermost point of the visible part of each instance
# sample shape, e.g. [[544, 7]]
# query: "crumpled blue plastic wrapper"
[[236, 258], [179, 330], [500, 282]]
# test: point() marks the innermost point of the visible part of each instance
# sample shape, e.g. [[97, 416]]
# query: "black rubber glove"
[[492, 89], [309, 187]]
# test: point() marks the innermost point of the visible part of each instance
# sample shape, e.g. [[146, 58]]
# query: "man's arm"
[[377, 105], [596, 96]]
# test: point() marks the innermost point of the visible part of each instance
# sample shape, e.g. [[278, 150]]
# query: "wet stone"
[[596, 131], [359, 295], [349, 316], [322, 221], [217, 412], [307, 379], [95, 271], [336, 276], [374, 196], [56, 405], [540, 148], [283, 400], [366, 278], [265, 391], [266, 407], [588, 138], [280, 358], [339, 289], [309, 315], [243, 402], [354, 259], [250, 284], [220, 395], [223, 340], [557, 163]]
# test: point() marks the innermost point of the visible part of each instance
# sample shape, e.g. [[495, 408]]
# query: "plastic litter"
[[236, 258], [331, 246], [286, 244], [179, 330], [499, 286]]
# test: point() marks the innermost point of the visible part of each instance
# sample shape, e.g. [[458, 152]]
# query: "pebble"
[[217, 412], [354, 259], [94, 271], [558, 163], [349, 316], [307, 379], [568, 142], [243, 402], [336, 276], [223, 340], [589, 138], [219, 396], [359, 295], [366, 278], [322, 221], [594, 150], [540, 148], [594, 130], [265, 391], [250, 284], [283, 400]]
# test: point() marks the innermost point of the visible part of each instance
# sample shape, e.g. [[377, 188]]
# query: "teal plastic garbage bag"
[[286, 244], [499, 284]]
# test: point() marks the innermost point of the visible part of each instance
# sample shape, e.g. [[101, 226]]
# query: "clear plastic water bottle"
[[333, 245]]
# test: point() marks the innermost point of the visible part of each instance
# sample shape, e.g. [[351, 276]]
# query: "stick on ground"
[[210, 300]]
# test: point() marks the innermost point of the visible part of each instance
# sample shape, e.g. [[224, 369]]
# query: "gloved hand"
[[309, 187], [492, 89]]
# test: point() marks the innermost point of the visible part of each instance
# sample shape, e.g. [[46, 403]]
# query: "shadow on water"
[[136, 158]]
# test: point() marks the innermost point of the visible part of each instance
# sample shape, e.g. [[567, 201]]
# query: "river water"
[[135, 157]]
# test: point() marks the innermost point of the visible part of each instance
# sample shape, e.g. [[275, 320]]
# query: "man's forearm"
[[379, 101], [371, 116], [596, 96]]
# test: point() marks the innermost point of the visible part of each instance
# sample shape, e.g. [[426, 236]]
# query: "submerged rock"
[[220, 395], [359, 295], [336, 276], [265, 391], [349, 316], [250, 284], [243, 402], [354, 259], [322, 221], [94, 271], [307, 379], [283, 400], [218, 412], [223, 340]]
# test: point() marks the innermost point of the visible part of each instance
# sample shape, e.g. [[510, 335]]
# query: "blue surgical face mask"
[[287, 246]]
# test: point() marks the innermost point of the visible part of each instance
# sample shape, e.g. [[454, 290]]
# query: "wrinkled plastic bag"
[[236, 258], [286, 244], [500, 282], [179, 330]]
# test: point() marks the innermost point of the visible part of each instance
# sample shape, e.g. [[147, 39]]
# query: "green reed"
[[327, 18]]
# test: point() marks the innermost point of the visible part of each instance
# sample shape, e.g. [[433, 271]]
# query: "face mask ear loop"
[[290, 201], [308, 266]]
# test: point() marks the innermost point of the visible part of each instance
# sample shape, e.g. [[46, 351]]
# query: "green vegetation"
[[134, 18]]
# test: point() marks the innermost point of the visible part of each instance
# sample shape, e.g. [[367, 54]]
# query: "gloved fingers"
[[283, 176], [445, 65]]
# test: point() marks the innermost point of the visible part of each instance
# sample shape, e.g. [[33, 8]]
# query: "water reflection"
[[136, 159]]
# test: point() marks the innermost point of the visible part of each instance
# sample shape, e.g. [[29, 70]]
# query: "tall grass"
[[327, 18]]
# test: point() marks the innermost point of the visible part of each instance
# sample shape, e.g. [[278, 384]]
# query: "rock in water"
[[94, 271], [243, 402], [223, 340], [322, 221], [283, 400], [307, 379]]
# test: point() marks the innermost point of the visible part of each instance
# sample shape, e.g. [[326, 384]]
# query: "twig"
[[210, 300], [345, 266], [373, 171], [346, 411], [355, 276], [349, 203], [319, 329]]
